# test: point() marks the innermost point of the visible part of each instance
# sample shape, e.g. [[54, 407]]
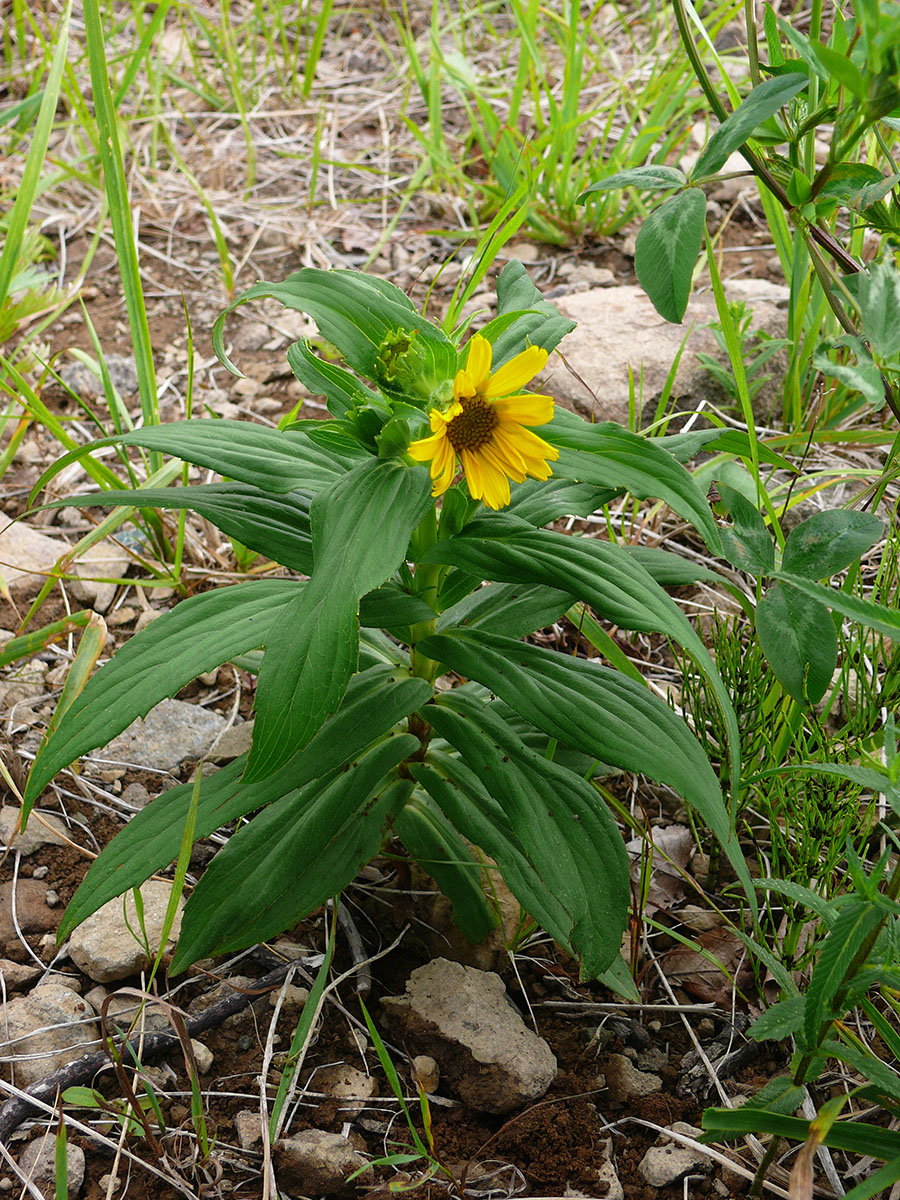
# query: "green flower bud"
[[405, 367]]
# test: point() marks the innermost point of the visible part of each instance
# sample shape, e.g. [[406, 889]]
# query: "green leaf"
[[597, 711], [540, 501], [763, 102], [195, 636], [374, 702], [875, 616], [864, 378], [269, 459], [607, 455], [510, 609], [857, 921], [389, 607], [879, 300], [799, 641], [779, 1022], [748, 543], [857, 185], [830, 541], [341, 390], [544, 325], [355, 312], [457, 791], [560, 821], [666, 251], [841, 68], [276, 526], [668, 569], [652, 178], [361, 528], [441, 851], [294, 855], [858, 1137]]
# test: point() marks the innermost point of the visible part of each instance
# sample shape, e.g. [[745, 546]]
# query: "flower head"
[[484, 427]]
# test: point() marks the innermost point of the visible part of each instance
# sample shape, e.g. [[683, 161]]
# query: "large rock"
[[315, 1162], [105, 948], [46, 1030], [619, 327], [38, 1162], [48, 831], [102, 562], [170, 733], [27, 556], [461, 1017], [32, 912]]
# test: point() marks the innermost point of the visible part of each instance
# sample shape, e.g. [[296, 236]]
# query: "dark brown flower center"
[[474, 425]]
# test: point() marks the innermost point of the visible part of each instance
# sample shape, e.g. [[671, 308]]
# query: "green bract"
[[396, 696]]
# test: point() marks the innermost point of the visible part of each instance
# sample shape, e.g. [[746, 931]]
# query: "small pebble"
[[706, 1027], [52, 898], [245, 1042], [106, 1180], [41, 872], [426, 1073]]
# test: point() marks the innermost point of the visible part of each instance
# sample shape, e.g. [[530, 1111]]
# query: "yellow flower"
[[484, 427]]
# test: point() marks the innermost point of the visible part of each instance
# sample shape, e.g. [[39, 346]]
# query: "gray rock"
[[17, 976], [122, 372], [626, 1082], [248, 1128], [105, 948], [125, 1011], [461, 1017], [136, 795], [345, 1083], [203, 1056], [233, 742], [316, 1163], [618, 327], [27, 556], [33, 913], [48, 831], [170, 733], [46, 1030], [38, 1162], [669, 1162], [106, 560]]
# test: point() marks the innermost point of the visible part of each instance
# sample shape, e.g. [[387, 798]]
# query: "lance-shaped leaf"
[[540, 501], [828, 984], [508, 609], [373, 704], [341, 389], [276, 526], [197, 635], [763, 102], [607, 455], [355, 312], [294, 855], [442, 851], [270, 459], [457, 791], [601, 573], [599, 712], [560, 821], [857, 1137], [361, 528], [652, 178]]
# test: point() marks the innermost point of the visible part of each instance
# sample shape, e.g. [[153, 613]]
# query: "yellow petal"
[[478, 364], [442, 470], [525, 410], [495, 491], [472, 468], [426, 448], [534, 450], [502, 452], [440, 420], [513, 376], [464, 387]]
